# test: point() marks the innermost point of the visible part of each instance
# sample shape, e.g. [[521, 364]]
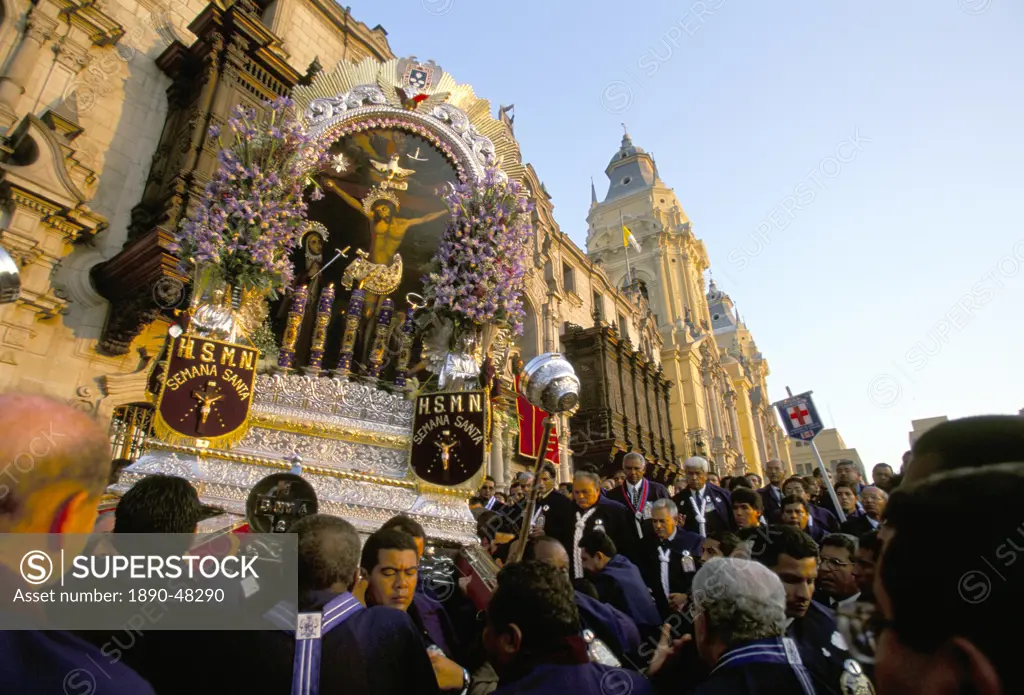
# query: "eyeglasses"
[[831, 563], [861, 625]]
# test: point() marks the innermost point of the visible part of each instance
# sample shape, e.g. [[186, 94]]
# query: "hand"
[[680, 520], [667, 649], [464, 585], [448, 673], [677, 601]]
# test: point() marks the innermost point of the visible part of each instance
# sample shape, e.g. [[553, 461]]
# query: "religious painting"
[[383, 196]]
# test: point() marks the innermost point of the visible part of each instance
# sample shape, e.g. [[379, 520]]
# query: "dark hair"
[[847, 462], [488, 524], [740, 481], [848, 486], [587, 468], [724, 481], [972, 442], [159, 504], [384, 539], [782, 540], [565, 486], [476, 500], [328, 552], [841, 540], [727, 541], [896, 481], [793, 499], [880, 465], [976, 605], [816, 473], [489, 479], [812, 480], [744, 495], [597, 541], [870, 541], [538, 599], [405, 524], [549, 468], [795, 479]]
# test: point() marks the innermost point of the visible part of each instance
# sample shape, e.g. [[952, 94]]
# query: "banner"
[[531, 429]]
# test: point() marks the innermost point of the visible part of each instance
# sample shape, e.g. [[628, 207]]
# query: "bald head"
[[52, 456], [970, 442]]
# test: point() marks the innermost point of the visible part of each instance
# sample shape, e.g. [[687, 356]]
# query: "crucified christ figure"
[[386, 230]]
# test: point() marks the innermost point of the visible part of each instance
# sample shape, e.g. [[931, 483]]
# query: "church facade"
[[105, 110], [719, 406]]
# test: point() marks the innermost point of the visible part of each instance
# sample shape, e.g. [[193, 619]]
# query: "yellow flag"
[[628, 238]]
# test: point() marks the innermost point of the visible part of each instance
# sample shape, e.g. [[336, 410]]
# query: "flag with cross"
[[800, 417]]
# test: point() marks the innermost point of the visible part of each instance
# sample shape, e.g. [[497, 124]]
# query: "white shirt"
[[845, 603]]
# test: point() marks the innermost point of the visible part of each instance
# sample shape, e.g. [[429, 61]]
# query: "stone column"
[[687, 269], [564, 453], [717, 435], [38, 31], [496, 467], [762, 442]]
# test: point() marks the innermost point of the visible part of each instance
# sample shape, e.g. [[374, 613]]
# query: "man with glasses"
[[872, 501], [837, 587]]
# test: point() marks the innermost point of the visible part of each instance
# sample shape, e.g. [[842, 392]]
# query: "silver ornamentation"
[[321, 110], [329, 453]]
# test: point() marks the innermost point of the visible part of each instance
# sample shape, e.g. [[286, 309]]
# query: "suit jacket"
[[578, 679], [655, 491], [556, 509], [824, 518], [822, 648], [683, 544], [610, 625], [857, 526], [621, 584], [718, 511], [816, 531], [433, 623], [772, 506], [755, 679], [610, 515]]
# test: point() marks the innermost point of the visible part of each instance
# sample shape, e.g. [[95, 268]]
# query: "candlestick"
[[348, 341], [381, 337], [286, 359], [405, 352], [323, 318]]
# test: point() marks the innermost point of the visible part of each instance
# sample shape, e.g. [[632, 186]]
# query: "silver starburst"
[[341, 164]]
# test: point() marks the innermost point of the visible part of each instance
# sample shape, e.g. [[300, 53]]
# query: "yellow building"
[[719, 407], [832, 450]]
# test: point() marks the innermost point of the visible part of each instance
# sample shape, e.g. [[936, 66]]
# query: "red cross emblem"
[[799, 415]]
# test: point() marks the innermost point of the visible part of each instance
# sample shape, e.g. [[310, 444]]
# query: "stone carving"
[[321, 110], [330, 453]]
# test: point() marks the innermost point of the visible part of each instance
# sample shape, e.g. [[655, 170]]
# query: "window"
[[568, 278], [598, 305], [625, 181], [716, 317], [623, 326]]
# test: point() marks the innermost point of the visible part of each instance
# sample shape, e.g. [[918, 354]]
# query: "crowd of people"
[[712, 585]]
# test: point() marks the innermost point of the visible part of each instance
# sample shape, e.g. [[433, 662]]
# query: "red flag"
[[531, 429]]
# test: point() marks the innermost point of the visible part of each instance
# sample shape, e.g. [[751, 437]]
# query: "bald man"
[[56, 463]]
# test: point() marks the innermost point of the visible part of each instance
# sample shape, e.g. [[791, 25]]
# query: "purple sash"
[[309, 629]]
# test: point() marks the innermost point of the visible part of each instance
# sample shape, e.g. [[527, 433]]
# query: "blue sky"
[[886, 276]]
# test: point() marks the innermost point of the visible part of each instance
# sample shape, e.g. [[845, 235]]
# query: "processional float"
[[368, 409]]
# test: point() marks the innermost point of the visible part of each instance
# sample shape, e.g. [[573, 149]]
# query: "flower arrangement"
[[477, 274], [252, 215]]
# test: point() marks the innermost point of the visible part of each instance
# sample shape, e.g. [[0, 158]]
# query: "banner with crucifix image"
[[206, 392], [449, 436]]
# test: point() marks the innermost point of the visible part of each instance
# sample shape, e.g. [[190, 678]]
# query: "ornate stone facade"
[[712, 395]]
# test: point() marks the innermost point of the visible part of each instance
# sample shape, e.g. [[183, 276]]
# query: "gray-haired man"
[[637, 493], [740, 609], [707, 507]]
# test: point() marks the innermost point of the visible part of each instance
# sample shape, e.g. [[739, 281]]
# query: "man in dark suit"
[[796, 513], [872, 501], [553, 508], [359, 646], [793, 556], [591, 510], [487, 489], [619, 582], [819, 517], [57, 463], [532, 638], [669, 559], [848, 474], [772, 494], [636, 492], [706, 508]]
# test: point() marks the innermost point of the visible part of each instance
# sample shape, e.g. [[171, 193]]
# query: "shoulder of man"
[[52, 660]]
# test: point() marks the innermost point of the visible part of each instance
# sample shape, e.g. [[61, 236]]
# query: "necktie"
[[664, 555], [698, 512], [581, 522]]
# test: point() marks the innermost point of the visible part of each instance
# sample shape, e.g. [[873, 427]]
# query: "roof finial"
[[625, 131], [593, 193]]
